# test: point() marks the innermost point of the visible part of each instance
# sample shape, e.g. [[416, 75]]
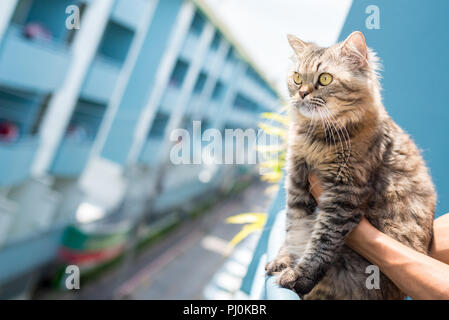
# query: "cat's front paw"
[[294, 280], [303, 285], [287, 278], [277, 265]]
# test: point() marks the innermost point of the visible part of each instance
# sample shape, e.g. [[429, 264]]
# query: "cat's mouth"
[[313, 107]]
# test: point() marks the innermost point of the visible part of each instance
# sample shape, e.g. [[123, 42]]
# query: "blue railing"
[[255, 283], [18, 67], [19, 257], [15, 160]]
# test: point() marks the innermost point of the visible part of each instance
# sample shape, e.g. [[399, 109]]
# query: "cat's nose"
[[305, 90]]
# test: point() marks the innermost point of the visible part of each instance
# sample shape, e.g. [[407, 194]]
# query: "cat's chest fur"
[[317, 156]]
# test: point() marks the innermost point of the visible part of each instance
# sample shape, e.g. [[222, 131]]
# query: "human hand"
[[315, 187]]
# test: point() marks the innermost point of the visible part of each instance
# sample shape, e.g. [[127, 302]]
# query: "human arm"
[[418, 275]]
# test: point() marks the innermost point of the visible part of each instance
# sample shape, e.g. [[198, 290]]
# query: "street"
[[181, 264]]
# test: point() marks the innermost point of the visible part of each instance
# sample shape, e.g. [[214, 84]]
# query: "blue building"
[[86, 114]]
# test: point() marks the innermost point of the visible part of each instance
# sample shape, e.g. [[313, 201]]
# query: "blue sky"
[[261, 27]]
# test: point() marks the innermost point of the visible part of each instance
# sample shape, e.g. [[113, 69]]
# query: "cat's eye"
[[325, 79], [297, 78]]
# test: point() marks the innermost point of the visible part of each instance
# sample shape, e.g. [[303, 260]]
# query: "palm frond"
[[254, 222], [273, 130], [282, 119], [273, 156]]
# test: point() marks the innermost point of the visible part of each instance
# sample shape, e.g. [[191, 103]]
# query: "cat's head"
[[339, 83]]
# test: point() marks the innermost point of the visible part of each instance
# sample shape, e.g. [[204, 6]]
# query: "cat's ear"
[[297, 44], [355, 47]]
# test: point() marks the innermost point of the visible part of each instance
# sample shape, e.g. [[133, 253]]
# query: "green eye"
[[325, 79], [297, 78]]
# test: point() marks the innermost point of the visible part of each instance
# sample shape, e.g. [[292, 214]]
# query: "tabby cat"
[[367, 164]]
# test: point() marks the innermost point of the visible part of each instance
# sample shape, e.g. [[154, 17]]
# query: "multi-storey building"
[[86, 114]]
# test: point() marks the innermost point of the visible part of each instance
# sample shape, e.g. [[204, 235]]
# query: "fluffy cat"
[[367, 164]]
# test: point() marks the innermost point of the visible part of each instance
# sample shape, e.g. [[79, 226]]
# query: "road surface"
[[180, 265]]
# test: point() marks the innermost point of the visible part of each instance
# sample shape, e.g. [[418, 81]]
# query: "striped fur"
[[368, 167]]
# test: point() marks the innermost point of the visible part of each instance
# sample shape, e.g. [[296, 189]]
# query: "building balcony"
[[170, 98], [71, 158], [252, 89], [189, 47], [101, 79], [175, 197], [23, 62], [180, 186], [210, 61], [212, 108], [195, 104], [8, 212], [130, 15], [242, 119], [228, 72], [17, 157], [20, 257], [150, 151]]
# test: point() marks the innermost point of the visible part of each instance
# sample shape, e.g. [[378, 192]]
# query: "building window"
[[116, 42], [244, 103], [216, 41], [179, 73], [198, 23], [85, 121], [205, 125], [219, 91], [253, 75], [44, 20], [73, 32], [230, 54], [158, 127], [200, 82], [40, 114], [21, 12], [18, 113]]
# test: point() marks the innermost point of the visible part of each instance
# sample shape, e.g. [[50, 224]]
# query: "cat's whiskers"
[[347, 141], [338, 126], [311, 126], [335, 121], [324, 124], [338, 129], [319, 103], [331, 136], [343, 130]]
